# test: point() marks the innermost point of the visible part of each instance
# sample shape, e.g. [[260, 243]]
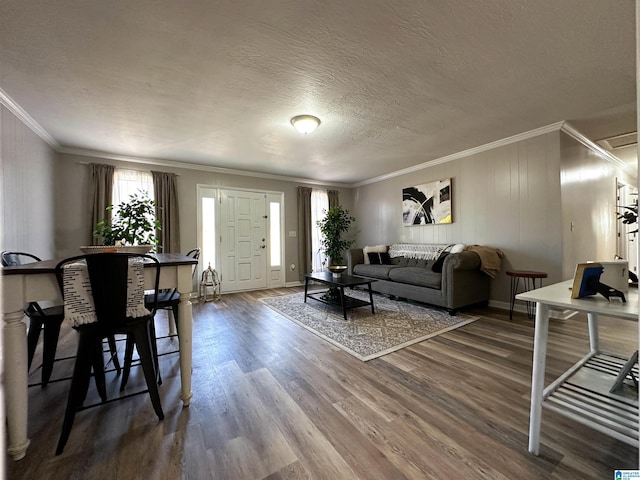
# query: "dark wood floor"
[[273, 401]]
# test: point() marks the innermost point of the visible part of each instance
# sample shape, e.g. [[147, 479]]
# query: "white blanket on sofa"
[[429, 251]]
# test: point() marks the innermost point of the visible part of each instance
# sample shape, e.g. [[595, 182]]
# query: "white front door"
[[243, 240]]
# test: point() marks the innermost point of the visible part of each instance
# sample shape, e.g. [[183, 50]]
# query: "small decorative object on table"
[[337, 270], [586, 282]]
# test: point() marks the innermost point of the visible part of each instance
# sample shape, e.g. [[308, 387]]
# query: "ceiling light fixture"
[[305, 123]]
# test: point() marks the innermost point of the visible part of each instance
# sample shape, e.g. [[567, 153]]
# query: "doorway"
[[240, 233], [626, 247]]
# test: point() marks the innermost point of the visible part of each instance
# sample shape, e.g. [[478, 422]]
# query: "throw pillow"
[[457, 248], [374, 248], [437, 266], [379, 258]]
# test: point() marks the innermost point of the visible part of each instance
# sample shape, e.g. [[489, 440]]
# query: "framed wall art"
[[427, 204]]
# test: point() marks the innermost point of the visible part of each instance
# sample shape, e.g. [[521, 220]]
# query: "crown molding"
[[465, 153], [193, 166], [558, 126], [576, 135], [25, 118]]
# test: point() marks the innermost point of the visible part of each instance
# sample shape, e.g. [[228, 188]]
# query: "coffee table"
[[339, 283]]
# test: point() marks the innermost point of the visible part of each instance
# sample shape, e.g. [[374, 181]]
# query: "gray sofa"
[[459, 285]]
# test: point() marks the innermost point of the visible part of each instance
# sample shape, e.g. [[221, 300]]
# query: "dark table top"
[[342, 280], [49, 266], [526, 274]]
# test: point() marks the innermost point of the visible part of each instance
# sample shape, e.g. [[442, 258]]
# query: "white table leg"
[[594, 342], [15, 373], [185, 327], [537, 377], [171, 323]]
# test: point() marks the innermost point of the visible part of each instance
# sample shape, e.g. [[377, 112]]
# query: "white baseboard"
[[522, 308]]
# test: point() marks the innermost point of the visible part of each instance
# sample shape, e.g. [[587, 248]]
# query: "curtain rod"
[[125, 168]]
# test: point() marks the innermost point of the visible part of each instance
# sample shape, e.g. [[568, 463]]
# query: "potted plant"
[[133, 224], [630, 215], [335, 223]]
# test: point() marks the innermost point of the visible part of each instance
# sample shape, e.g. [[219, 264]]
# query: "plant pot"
[[337, 270]]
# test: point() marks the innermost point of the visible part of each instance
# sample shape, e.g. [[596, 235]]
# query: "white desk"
[[581, 393], [37, 282]]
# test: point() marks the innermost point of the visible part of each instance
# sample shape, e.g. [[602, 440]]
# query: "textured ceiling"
[[395, 83]]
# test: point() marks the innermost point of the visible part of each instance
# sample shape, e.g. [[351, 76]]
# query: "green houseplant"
[[335, 223], [630, 215], [133, 224]]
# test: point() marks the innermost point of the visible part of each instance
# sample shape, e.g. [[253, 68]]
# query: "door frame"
[[270, 196]]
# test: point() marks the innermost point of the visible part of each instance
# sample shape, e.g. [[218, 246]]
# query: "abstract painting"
[[427, 204]]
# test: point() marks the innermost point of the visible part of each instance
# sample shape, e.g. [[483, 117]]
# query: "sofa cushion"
[[420, 276], [399, 261], [457, 248], [379, 258], [373, 271], [374, 248], [419, 263]]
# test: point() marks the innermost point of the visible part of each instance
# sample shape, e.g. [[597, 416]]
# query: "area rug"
[[395, 325]]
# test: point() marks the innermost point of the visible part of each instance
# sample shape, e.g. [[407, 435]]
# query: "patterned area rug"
[[395, 325]]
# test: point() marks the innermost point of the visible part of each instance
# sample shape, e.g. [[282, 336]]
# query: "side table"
[[529, 280]]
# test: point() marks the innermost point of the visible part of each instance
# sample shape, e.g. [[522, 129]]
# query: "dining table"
[[36, 282]]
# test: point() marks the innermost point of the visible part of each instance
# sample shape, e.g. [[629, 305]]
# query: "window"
[[208, 228], [275, 242], [128, 182], [319, 207]]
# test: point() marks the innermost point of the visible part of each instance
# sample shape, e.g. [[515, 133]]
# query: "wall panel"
[[502, 198], [27, 189]]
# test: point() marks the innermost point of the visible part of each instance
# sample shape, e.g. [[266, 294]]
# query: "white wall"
[[507, 198], [589, 192], [73, 208], [27, 206], [27, 189], [521, 198]]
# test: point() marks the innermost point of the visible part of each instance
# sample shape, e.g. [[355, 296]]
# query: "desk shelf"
[[582, 394]]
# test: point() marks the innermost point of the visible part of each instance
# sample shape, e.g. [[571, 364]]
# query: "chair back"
[[109, 280], [195, 254], [12, 259]]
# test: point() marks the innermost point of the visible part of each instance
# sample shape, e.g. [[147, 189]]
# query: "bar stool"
[[529, 280]]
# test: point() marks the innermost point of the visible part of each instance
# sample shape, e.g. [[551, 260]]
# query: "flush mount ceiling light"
[[305, 123]]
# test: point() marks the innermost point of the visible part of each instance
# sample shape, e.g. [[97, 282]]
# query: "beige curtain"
[[166, 196], [334, 198], [304, 231], [101, 190]]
